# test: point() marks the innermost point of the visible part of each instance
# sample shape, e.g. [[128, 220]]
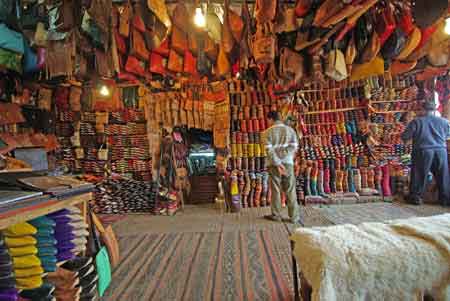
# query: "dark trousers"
[[424, 161]]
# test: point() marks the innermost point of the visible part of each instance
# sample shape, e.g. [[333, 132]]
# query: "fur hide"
[[374, 261]]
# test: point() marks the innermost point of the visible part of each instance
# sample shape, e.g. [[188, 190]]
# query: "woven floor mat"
[[206, 219], [376, 212], [232, 265]]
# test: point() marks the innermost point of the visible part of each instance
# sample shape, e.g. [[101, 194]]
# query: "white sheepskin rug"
[[375, 261]]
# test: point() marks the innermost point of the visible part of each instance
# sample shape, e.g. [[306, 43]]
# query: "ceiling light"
[[104, 91], [199, 18], [447, 26]]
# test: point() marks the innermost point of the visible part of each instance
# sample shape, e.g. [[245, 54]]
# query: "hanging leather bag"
[[292, 65], [264, 43], [227, 41], [265, 10], [236, 24], [223, 66], [138, 45], [157, 63], [179, 41], [214, 27], [135, 66], [385, 23], [302, 7], [180, 17], [394, 45], [336, 67], [411, 44], [125, 15], [159, 8], [190, 64], [372, 49], [175, 63]]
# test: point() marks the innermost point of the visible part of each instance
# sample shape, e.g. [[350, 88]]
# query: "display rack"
[[14, 216]]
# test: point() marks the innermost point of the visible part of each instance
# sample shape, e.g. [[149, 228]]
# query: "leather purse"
[[265, 10], [138, 45], [190, 64], [163, 49], [411, 44], [157, 63], [223, 66], [236, 24], [193, 42], [214, 27], [135, 66], [385, 23], [211, 49], [291, 65], [227, 42], [180, 17], [398, 67], [245, 53], [264, 43], [138, 22], [120, 43], [336, 67], [372, 49], [159, 8], [394, 44], [302, 7], [179, 41], [125, 14], [372, 68], [175, 62], [326, 10], [404, 17]]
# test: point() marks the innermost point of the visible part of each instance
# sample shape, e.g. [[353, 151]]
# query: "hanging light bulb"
[[104, 91], [199, 18], [447, 26]]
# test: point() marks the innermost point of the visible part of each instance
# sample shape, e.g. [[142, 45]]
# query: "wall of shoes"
[[250, 103], [351, 149]]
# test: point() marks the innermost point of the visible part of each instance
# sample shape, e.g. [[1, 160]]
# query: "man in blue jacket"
[[429, 138]]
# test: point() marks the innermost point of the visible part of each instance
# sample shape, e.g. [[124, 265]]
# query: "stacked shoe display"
[[8, 291], [46, 242], [121, 195], [42, 293], [75, 280], [70, 233], [22, 246], [250, 104]]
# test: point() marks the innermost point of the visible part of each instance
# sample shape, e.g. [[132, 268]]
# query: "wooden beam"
[[13, 217]]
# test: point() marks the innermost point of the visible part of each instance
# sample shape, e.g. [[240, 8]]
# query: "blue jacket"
[[427, 132]]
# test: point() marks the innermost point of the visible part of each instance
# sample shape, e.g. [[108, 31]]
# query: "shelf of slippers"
[[336, 159], [36, 245], [250, 103], [387, 117]]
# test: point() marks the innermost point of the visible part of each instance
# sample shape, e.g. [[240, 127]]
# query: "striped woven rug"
[[251, 265]]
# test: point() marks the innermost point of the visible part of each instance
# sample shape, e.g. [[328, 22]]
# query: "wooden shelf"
[[15, 216], [16, 170], [391, 101], [335, 110]]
